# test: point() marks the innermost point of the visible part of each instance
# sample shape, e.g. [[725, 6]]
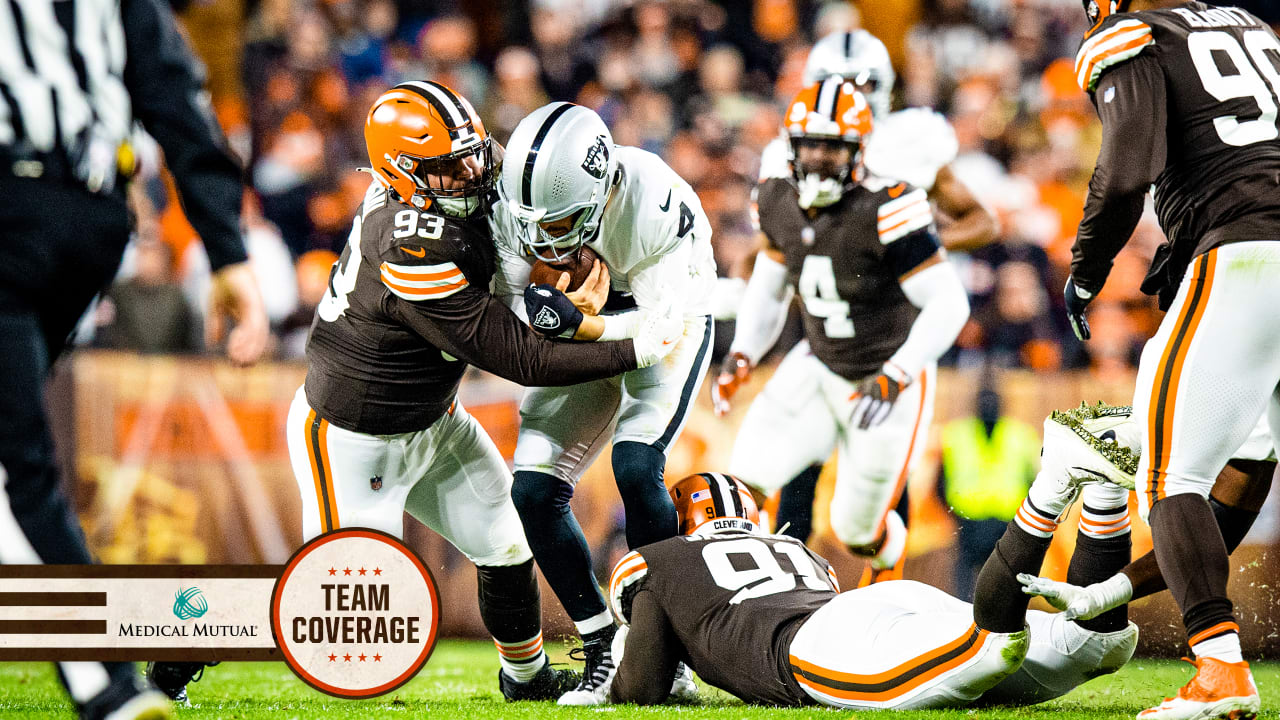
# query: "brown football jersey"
[[734, 601], [845, 260], [1188, 97], [409, 308]]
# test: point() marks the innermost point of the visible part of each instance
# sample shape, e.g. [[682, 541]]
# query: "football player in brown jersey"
[[759, 616], [377, 428], [880, 305], [1188, 96]]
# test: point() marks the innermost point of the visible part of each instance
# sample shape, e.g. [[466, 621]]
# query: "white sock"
[[1224, 647], [521, 660], [1036, 521], [594, 623], [1105, 513]]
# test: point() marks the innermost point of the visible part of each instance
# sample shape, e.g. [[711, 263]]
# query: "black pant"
[[59, 246]]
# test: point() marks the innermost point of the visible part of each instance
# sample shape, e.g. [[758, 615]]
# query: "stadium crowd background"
[[700, 83]]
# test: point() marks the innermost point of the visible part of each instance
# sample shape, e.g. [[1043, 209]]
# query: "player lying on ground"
[[881, 305], [566, 186], [759, 616], [377, 429]]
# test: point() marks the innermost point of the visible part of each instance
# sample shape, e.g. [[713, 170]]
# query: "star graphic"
[[346, 658], [333, 658], [333, 571], [377, 571], [377, 658], [362, 571], [346, 571], [362, 657]]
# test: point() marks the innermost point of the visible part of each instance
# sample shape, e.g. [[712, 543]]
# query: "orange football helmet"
[[1098, 10], [418, 132], [830, 113], [708, 497]]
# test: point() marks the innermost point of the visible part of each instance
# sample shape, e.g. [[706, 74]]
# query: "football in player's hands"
[[578, 265]]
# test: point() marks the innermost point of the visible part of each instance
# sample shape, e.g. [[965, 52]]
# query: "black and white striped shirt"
[[75, 75]]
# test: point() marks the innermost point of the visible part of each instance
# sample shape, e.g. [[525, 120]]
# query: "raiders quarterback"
[[880, 305], [759, 616], [377, 428], [564, 184]]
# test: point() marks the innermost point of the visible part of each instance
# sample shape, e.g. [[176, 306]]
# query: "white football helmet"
[[858, 57], [560, 160]]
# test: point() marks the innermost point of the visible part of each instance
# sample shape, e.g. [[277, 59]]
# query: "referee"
[[74, 77]]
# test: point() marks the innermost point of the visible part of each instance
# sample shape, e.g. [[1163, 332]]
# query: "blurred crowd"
[[698, 82]]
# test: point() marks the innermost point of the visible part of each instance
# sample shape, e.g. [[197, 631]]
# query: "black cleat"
[[597, 673], [171, 678], [549, 684]]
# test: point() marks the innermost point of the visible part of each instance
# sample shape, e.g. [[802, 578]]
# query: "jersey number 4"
[[766, 577], [822, 299], [1207, 47]]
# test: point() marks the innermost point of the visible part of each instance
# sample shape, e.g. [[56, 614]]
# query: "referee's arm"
[[166, 89]]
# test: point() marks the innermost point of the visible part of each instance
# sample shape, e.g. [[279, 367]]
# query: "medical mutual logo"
[[189, 603]]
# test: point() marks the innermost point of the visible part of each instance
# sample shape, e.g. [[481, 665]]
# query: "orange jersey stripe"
[[443, 275], [1101, 59], [328, 474], [424, 293]]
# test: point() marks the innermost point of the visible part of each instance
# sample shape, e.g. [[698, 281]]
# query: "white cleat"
[[684, 689], [1096, 443]]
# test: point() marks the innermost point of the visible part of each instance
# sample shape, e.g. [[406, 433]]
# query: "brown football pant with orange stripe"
[[1205, 377]]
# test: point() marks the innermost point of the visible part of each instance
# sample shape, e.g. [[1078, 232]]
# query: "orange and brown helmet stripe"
[[708, 496], [831, 109]]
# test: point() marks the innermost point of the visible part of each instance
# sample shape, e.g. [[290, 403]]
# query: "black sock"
[[638, 470], [999, 605], [510, 606], [795, 504], [1095, 560], [1233, 522], [1193, 560], [557, 542]]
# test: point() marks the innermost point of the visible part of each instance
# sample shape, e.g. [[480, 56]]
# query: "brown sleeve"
[[1130, 99], [652, 652], [478, 329]]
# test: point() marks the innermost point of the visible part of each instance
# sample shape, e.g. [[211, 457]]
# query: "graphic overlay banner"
[[136, 612]]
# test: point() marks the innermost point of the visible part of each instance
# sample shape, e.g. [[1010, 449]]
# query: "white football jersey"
[[654, 238], [911, 145]]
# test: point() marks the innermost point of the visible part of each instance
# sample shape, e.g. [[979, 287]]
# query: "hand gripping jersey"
[[1199, 85], [846, 262], [408, 308], [734, 602], [653, 217]]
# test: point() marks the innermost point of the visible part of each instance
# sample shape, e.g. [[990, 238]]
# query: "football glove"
[[657, 335], [1077, 299], [551, 312], [734, 371], [1080, 603], [874, 396]]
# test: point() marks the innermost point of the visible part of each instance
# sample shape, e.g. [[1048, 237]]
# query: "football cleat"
[[684, 689], [1218, 690], [597, 673], [1090, 444], [171, 678], [549, 684]]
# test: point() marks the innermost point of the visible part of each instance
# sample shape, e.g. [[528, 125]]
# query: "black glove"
[[551, 312], [1077, 300], [874, 396]]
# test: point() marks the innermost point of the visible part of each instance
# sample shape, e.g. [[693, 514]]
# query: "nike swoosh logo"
[[420, 252], [1109, 435], [1094, 473], [897, 190], [667, 205]]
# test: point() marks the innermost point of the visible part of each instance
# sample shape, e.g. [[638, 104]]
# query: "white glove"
[[657, 335], [1080, 603]]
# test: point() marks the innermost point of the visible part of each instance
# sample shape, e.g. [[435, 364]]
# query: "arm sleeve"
[[479, 329], [166, 89], [763, 311], [944, 308], [1130, 99], [649, 663]]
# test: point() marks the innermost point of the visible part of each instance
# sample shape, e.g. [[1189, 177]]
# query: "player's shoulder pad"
[[902, 208], [775, 159], [667, 208], [417, 251], [1117, 38], [625, 581]]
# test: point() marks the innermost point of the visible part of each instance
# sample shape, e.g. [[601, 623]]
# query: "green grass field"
[[460, 681]]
